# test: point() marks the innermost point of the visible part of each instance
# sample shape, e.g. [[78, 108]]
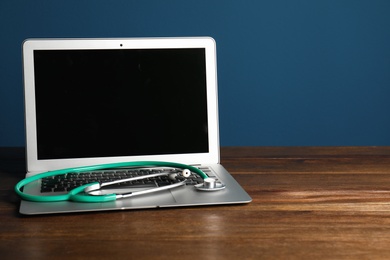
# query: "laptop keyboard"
[[69, 181]]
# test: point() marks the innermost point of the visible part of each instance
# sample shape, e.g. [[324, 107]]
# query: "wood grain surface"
[[308, 203]]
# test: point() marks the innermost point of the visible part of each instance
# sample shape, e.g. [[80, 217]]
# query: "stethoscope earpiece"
[[186, 173]]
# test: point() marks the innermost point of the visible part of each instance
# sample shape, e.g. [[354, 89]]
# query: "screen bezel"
[[36, 165]]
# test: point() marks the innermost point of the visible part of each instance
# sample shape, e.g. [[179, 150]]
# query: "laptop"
[[101, 101]]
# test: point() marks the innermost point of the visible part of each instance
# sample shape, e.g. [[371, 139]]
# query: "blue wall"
[[291, 72]]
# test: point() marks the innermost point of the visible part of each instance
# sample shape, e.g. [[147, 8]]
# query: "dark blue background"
[[291, 72]]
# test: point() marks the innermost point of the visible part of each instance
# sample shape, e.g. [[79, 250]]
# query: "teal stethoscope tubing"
[[77, 194]]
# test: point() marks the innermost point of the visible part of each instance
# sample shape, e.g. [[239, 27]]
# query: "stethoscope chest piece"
[[210, 184]]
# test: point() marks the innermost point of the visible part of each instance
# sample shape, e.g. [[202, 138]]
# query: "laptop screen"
[[120, 102]]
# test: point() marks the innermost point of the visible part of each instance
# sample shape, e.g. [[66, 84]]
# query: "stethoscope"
[[90, 192]]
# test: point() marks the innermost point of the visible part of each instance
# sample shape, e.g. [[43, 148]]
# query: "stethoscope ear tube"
[[19, 186]]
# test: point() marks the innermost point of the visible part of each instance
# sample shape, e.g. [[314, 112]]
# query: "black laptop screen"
[[104, 103]]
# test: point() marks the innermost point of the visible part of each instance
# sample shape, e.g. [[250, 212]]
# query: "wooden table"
[[308, 203]]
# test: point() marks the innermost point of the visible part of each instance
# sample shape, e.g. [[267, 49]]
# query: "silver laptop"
[[99, 101]]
